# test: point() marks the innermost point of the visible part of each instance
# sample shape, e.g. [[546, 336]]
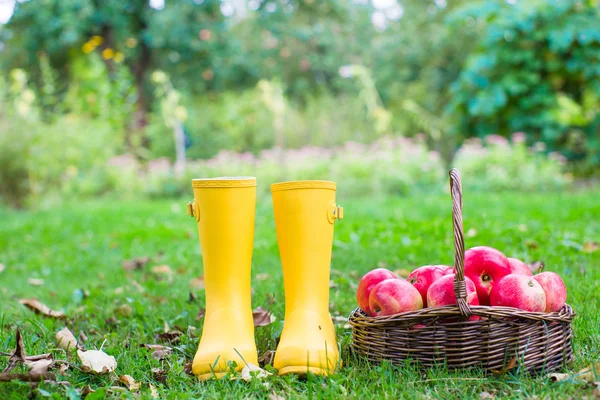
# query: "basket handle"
[[460, 287]]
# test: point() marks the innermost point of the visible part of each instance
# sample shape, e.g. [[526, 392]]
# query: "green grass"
[[78, 251]]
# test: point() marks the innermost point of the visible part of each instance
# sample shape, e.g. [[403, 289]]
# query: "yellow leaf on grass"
[[131, 383]]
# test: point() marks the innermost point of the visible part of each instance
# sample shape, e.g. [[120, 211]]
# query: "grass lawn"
[[78, 252]]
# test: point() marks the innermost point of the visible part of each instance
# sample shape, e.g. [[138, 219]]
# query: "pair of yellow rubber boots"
[[305, 212]]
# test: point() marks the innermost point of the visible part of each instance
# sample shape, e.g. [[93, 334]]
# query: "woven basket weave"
[[501, 339]]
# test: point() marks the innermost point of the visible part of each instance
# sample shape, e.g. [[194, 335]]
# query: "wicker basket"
[[501, 339]]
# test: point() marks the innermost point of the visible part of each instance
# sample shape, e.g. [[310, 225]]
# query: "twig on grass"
[[28, 377]]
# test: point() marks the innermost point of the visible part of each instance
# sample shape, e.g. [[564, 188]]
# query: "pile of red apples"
[[491, 279]]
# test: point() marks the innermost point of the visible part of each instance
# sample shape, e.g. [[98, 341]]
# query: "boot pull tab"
[[334, 212], [193, 210]]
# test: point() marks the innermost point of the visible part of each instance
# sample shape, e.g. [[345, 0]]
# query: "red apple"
[[485, 266], [423, 277], [441, 292], [367, 283], [519, 291], [394, 296], [555, 290], [519, 267]]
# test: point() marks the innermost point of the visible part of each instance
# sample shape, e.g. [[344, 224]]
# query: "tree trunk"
[[140, 118], [179, 149]]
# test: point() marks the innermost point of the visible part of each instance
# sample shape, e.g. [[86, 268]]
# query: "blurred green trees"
[[256, 74], [536, 69]]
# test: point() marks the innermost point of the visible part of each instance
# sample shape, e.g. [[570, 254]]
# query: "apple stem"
[[541, 267]]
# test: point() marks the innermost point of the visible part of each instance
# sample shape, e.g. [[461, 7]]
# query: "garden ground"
[[71, 258]]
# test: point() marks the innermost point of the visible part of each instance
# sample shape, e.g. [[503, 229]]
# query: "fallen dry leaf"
[[86, 390], [191, 331], [197, 283], [65, 339], [139, 287], [262, 276], [18, 355], [471, 233], [162, 269], [590, 247], [96, 361], [171, 336], [192, 298], [158, 351], [536, 267], [159, 375], [40, 366], [39, 308], [131, 383], [511, 364], [486, 395], [275, 396], [136, 263], [63, 367], [590, 374], [35, 281], [267, 358], [262, 317], [187, 368], [124, 310], [153, 392], [523, 227], [332, 284], [339, 319], [111, 321], [83, 337], [532, 244], [253, 371], [201, 313], [402, 273], [2, 267], [557, 377]]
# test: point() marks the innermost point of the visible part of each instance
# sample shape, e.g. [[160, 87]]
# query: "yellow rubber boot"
[[305, 212], [224, 209]]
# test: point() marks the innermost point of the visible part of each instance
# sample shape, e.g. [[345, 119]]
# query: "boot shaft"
[[305, 213], [225, 211]]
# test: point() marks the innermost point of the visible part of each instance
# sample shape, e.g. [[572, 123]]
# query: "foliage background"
[[88, 84]]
